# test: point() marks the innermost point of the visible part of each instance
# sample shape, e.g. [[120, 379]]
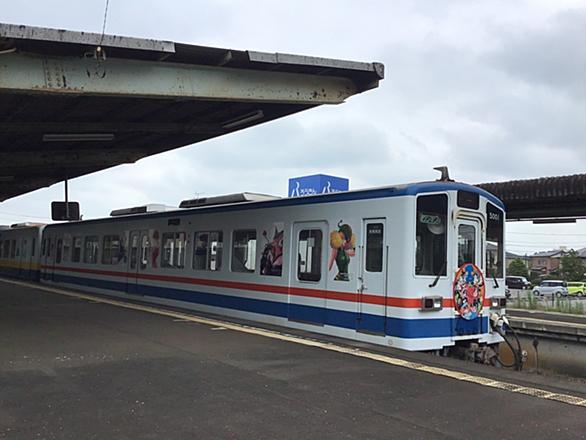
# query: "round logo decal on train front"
[[469, 291]]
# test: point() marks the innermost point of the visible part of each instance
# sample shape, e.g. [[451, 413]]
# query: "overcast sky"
[[495, 90]]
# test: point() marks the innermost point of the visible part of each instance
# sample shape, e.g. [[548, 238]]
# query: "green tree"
[[571, 267], [517, 268]]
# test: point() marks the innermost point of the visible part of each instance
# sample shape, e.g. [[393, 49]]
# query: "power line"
[[12, 214], [104, 24]]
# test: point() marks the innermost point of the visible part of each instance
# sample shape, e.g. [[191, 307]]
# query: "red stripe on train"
[[412, 303]]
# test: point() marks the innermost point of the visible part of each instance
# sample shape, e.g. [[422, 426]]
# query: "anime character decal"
[[469, 290], [271, 261], [343, 244]]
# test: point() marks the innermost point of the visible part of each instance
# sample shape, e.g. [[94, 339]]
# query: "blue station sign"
[[316, 184]]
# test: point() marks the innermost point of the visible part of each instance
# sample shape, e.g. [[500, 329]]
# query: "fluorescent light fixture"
[[244, 119], [78, 137]]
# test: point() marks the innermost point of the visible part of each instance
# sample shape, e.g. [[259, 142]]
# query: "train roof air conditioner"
[[145, 209], [226, 199]]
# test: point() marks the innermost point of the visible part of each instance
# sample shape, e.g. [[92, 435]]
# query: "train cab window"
[[374, 247], [59, 251], [431, 235], [110, 249], [91, 247], [494, 241], [244, 251], [173, 250], [309, 255], [76, 255], [207, 251]]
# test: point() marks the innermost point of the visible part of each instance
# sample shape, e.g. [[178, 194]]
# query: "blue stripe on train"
[[402, 328]]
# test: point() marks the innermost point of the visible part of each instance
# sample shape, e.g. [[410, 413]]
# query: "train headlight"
[[499, 302], [431, 303]]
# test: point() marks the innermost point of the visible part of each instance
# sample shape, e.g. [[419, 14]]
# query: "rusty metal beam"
[[135, 78]]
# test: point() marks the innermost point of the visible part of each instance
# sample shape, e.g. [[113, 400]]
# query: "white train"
[[416, 266]]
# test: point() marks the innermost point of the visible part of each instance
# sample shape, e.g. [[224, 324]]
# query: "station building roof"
[[68, 109]]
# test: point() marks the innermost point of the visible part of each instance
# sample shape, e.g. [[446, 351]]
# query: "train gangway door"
[[138, 260], [469, 251], [372, 278], [308, 285]]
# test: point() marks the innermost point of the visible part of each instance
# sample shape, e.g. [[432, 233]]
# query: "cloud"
[[552, 56]]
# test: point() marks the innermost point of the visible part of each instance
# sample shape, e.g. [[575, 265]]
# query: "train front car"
[[456, 269]]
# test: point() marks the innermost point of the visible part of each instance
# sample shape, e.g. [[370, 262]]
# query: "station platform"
[[78, 366]]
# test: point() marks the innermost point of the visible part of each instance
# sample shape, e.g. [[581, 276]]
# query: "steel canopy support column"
[[135, 78]]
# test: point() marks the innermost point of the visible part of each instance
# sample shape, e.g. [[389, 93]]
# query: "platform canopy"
[[69, 109], [545, 199]]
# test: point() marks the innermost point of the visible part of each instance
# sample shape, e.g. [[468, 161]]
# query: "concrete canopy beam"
[[147, 79]]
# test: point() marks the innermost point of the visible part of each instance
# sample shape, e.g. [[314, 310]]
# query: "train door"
[[46, 259], [468, 252], [19, 258], [31, 259], [138, 259], [372, 280], [58, 256], [307, 293]]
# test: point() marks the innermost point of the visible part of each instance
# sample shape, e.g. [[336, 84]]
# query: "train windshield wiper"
[[439, 274], [496, 283]]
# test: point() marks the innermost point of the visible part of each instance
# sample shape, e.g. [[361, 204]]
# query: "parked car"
[[551, 287], [513, 282], [577, 288]]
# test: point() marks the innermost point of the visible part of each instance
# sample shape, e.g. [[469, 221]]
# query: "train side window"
[[24, 248], [374, 247], [173, 250], [34, 247], [494, 241], [207, 251], [309, 255], [243, 250], [59, 251], [111, 249], [431, 235], [66, 247], [145, 246], [90, 254], [76, 257], [13, 249], [6, 252]]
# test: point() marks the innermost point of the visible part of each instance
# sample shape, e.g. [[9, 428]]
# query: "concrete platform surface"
[[76, 369]]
